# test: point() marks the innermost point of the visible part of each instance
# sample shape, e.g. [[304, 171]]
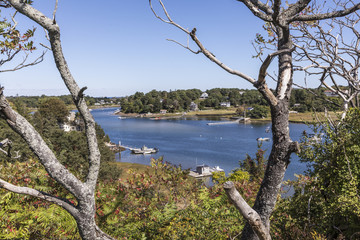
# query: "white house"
[[225, 104], [204, 95], [65, 127], [193, 106], [329, 93]]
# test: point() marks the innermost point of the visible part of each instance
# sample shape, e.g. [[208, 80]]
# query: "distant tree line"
[[35, 101], [179, 100], [302, 100]]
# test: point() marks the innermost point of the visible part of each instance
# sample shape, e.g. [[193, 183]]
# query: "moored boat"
[[204, 171], [144, 150]]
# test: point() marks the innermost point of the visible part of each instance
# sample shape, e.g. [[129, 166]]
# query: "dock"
[[229, 122], [114, 147]]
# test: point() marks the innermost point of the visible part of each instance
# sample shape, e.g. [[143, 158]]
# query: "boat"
[[262, 139], [144, 150], [204, 171], [121, 117]]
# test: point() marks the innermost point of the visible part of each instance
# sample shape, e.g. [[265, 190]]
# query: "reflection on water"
[[190, 142]]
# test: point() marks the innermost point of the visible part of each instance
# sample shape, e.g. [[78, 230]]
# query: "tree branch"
[[42, 195], [251, 216], [212, 57], [263, 7], [254, 6], [74, 89], [206, 52], [23, 63], [47, 158], [335, 14], [297, 7]]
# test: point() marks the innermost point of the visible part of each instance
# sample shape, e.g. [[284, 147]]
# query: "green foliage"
[[259, 111], [53, 108], [165, 203], [24, 217], [303, 100], [326, 201]]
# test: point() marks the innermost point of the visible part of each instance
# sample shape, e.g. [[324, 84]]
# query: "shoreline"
[[305, 118]]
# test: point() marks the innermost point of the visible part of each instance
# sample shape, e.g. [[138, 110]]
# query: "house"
[[71, 117], [163, 111], [72, 123], [204, 95], [193, 106], [329, 93], [65, 127], [225, 104]]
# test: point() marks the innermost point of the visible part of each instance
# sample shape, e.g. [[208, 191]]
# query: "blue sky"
[[118, 47]]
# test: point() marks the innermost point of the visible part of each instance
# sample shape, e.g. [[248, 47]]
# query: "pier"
[[229, 122]]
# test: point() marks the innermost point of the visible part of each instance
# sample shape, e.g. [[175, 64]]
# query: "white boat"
[[121, 117], [144, 150], [204, 171], [263, 139]]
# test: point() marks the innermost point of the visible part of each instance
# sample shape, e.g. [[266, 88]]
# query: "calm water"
[[192, 141]]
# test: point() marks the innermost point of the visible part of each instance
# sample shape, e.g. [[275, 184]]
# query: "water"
[[190, 142]]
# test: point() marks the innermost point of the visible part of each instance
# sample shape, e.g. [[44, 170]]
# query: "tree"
[[84, 211], [326, 199], [54, 108], [259, 112], [331, 51], [279, 16]]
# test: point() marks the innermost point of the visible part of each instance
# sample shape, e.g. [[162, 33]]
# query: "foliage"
[[164, 203], [259, 111], [255, 167], [53, 108], [326, 201], [24, 217]]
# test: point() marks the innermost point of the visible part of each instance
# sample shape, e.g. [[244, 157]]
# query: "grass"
[[125, 166]]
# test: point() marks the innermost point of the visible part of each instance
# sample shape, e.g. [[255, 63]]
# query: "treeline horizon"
[[301, 100], [180, 100]]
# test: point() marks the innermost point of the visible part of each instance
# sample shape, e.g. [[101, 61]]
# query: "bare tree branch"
[[186, 47], [47, 158], [55, 9], [42, 195], [297, 7], [23, 63], [54, 34], [335, 14], [45, 46], [254, 6], [251, 216], [193, 36], [212, 57]]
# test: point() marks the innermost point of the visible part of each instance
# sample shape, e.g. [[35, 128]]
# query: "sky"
[[118, 47]]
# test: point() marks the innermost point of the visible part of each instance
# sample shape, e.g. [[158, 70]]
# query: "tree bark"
[[282, 145], [84, 212]]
